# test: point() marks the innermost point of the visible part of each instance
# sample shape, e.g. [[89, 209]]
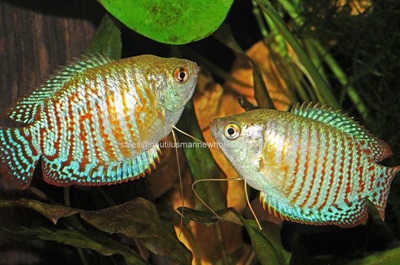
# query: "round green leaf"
[[172, 22]]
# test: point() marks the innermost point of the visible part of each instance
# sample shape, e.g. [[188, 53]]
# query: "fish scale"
[[309, 173], [325, 196], [83, 126], [315, 165], [89, 121]]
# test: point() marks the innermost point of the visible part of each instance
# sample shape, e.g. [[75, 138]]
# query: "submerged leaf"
[[266, 242], [201, 163], [139, 219], [211, 101], [50, 211], [209, 218], [79, 239], [265, 68], [261, 94], [107, 39], [321, 87], [388, 257], [172, 22], [135, 219], [246, 104]]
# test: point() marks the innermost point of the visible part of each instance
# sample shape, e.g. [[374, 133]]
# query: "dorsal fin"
[[24, 110], [375, 148]]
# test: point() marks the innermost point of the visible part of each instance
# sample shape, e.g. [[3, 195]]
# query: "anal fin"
[[344, 216], [91, 174]]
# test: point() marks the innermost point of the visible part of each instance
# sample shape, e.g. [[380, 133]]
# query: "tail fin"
[[380, 192], [18, 156]]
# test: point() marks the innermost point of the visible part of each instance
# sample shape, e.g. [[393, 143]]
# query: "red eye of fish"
[[232, 131], [181, 75]]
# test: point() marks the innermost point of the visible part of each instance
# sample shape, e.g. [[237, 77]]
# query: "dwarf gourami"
[[98, 121], [312, 165]]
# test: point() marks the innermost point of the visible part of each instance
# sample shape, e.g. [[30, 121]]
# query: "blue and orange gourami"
[[312, 165], [98, 121]]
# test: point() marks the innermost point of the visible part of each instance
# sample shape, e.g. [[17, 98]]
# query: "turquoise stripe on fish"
[[312, 165], [89, 121]]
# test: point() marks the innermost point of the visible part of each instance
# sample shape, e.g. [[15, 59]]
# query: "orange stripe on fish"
[[329, 164], [80, 119], [313, 161]]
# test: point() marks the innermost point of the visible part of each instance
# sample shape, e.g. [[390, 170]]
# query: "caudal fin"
[[18, 156], [380, 192]]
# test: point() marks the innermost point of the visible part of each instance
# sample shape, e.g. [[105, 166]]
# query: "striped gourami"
[[312, 165], [97, 121]]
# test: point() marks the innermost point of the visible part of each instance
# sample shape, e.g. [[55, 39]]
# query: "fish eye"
[[181, 75], [232, 131]]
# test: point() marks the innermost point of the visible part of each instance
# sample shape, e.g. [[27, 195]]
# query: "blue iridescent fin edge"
[[353, 215], [65, 175], [18, 156], [375, 148]]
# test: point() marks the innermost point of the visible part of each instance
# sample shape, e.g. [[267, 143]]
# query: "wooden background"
[[35, 38]]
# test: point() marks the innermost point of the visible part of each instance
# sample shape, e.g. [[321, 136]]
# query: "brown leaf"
[[139, 219], [356, 7], [276, 86], [50, 211], [211, 102], [136, 219], [165, 176]]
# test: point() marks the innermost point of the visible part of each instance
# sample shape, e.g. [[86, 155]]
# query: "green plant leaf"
[[107, 39], [94, 241], [225, 36], [388, 257], [201, 164], [267, 243], [208, 218], [172, 22], [321, 87]]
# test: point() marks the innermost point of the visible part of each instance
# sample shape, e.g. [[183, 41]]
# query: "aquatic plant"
[[272, 53]]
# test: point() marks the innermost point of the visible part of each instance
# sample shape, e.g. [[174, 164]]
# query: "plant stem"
[[323, 92]]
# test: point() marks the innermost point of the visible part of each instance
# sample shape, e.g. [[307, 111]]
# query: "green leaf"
[[321, 87], [79, 239], [267, 243], [388, 257], [246, 104], [172, 22], [201, 164], [107, 39], [225, 36], [261, 95], [208, 218]]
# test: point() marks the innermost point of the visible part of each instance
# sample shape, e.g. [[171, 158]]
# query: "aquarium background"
[[354, 48]]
